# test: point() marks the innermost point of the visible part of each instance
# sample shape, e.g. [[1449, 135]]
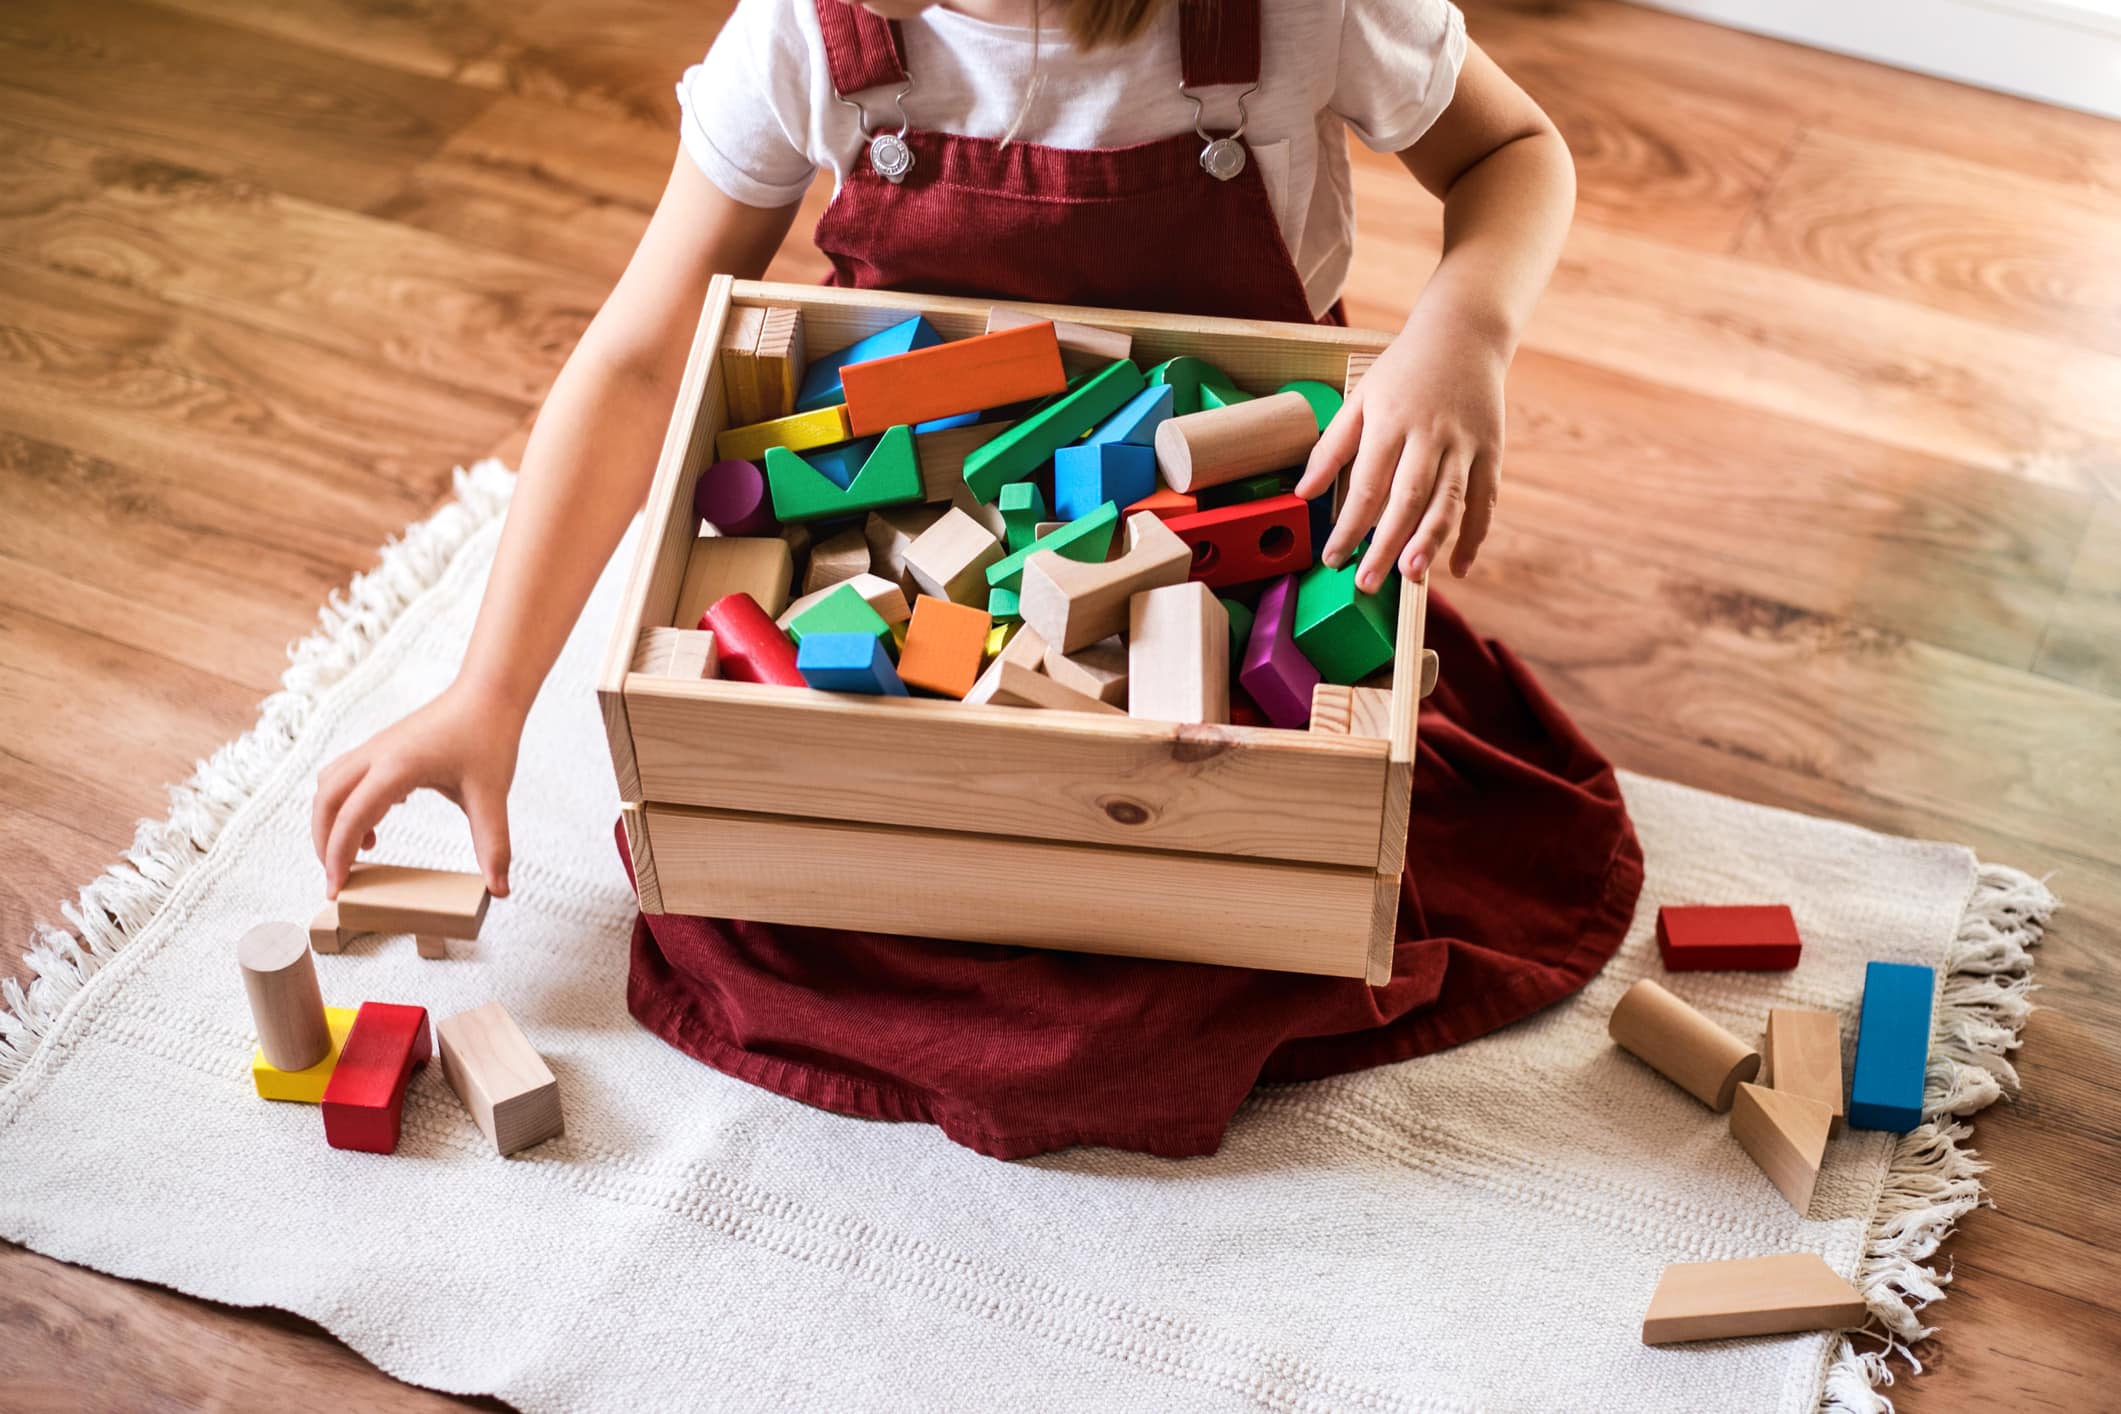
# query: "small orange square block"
[[944, 646]]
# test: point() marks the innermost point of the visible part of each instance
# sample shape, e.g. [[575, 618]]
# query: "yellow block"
[[998, 638], [799, 433], [898, 635], [305, 1086]]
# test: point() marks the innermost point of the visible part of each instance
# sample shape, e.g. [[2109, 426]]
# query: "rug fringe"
[[1935, 1177], [112, 909]]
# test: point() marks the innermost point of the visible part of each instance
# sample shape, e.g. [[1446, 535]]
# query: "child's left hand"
[[1424, 428]]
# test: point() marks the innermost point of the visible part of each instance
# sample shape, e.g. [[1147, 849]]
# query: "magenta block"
[[732, 497], [1275, 674]]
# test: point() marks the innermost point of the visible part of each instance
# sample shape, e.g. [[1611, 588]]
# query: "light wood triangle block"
[[1786, 1134], [1790, 1291]]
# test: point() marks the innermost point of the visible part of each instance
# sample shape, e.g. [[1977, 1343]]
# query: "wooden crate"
[[1249, 846]]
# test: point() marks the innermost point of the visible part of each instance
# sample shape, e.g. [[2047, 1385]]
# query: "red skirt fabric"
[[1522, 874]]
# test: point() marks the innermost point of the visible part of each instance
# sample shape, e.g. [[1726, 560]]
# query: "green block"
[[1324, 398], [1240, 627], [1345, 633], [891, 476], [1252, 488], [1086, 538], [1186, 377], [1031, 443], [1002, 605], [844, 610], [1023, 507], [1212, 396]]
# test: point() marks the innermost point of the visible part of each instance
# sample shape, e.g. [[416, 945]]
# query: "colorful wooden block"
[[821, 380], [364, 1101], [1074, 604], [1082, 346], [849, 662], [1213, 397], [878, 593], [1240, 625], [1086, 539], [1324, 398], [1023, 506], [1804, 1057], [1339, 710], [1789, 1291], [1166, 504], [684, 653], [1346, 633], [1240, 544], [889, 477], [1892, 1047], [835, 560], [1251, 488], [950, 559], [997, 638], [751, 648], [738, 358], [797, 433], [1185, 377], [1087, 475], [1217, 445], [963, 375], [842, 610], [1322, 518], [305, 1086], [731, 496], [1178, 655], [511, 1093], [720, 565], [945, 644], [1137, 421], [1018, 686], [1025, 648], [841, 462], [1681, 1044], [280, 978], [1726, 938], [891, 532], [1098, 671], [781, 361], [1004, 604], [1275, 675], [1786, 1135], [397, 898], [1028, 444]]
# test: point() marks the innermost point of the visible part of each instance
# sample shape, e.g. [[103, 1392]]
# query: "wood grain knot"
[[1124, 811]]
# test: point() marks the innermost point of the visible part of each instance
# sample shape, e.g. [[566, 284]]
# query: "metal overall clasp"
[[1223, 157], [889, 153]]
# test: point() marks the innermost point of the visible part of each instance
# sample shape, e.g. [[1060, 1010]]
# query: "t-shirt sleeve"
[[1399, 62], [745, 108]]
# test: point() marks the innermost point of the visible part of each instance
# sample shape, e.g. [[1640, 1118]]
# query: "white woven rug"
[[1475, 1230]]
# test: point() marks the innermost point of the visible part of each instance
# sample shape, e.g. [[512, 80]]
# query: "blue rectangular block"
[[944, 424], [821, 381], [1892, 1047], [848, 662], [1087, 475]]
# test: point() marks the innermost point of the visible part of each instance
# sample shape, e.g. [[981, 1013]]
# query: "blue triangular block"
[[821, 382]]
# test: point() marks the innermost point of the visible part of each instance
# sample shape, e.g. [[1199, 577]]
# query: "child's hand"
[[1424, 428], [460, 744]]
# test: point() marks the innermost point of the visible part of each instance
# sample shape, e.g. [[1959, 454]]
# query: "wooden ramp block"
[[1351, 711], [280, 978], [1804, 1057], [944, 646], [1790, 1291], [364, 1103], [305, 1086], [1274, 674], [835, 560], [1029, 444], [1026, 649], [1892, 1047], [1682, 1045], [786, 435], [750, 646], [1136, 423], [1019, 686], [951, 558], [1178, 655], [880, 594], [1075, 604], [780, 363], [1215, 445], [686, 653], [511, 1093], [397, 898], [1740, 938], [1083, 347], [963, 375], [738, 358], [720, 565], [1786, 1135], [1099, 671]]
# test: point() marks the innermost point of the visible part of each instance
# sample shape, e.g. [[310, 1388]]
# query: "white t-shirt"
[[760, 118]]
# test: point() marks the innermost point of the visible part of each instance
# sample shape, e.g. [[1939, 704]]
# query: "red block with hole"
[[364, 1101], [1251, 540], [1730, 938]]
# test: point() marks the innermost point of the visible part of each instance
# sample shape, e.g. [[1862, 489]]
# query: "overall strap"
[[861, 50], [1218, 42]]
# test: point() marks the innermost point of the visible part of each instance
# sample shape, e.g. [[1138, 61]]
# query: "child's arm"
[[1424, 427], [584, 475]]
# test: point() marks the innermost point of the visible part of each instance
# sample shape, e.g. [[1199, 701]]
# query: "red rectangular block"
[[365, 1101], [1742, 938], [943, 380], [1250, 540]]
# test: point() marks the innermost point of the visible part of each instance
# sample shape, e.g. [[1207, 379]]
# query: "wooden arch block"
[[1075, 604]]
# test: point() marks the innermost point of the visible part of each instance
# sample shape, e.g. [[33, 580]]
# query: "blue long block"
[[848, 662], [821, 381], [1892, 1047], [944, 424], [1087, 475], [1137, 421]]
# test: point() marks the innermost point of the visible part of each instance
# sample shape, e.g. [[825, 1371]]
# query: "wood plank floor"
[[1814, 485]]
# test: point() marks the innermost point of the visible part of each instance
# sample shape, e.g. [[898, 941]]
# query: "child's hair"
[[1095, 22]]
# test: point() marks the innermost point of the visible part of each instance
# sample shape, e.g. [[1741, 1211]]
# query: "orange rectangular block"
[[943, 380], [945, 644]]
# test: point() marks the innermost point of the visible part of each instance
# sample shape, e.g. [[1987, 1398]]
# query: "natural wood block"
[[1098, 671], [397, 898], [1019, 686], [944, 645], [1075, 604], [942, 454], [950, 559], [1746, 937], [780, 363], [1892, 1047], [280, 978], [1216, 445], [684, 653], [721, 565], [364, 1102], [1790, 1291], [878, 593], [1804, 1057], [1178, 654], [1026, 649], [836, 559], [511, 1093], [1351, 711], [324, 933], [1083, 347], [890, 533], [963, 375], [1786, 1135], [306, 1086], [739, 361], [798, 433], [1682, 1045]]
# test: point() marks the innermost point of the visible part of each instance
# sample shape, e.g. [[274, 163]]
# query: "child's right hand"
[[462, 744]]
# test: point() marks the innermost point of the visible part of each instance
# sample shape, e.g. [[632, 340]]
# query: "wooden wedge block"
[[1682, 1045], [1029, 444], [1786, 1135], [750, 646], [1178, 655], [945, 643], [738, 358], [325, 935], [1083, 347], [1743, 938], [720, 565], [364, 1102], [1351, 711], [950, 560], [1098, 671], [780, 363], [880, 594], [1018, 686], [280, 978], [798, 433], [836, 559], [1273, 673], [305, 1086], [1137, 420], [511, 1093], [1075, 604], [1790, 1291], [686, 653], [731, 496], [963, 375], [1804, 1057], [1025, 649], [1216, 445], [397, 898], [1892, 1047]]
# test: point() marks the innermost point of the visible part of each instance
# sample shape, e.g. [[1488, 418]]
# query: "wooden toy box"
[[1249, 846]]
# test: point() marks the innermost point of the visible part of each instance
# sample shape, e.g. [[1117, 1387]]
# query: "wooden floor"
[[1813, 491]]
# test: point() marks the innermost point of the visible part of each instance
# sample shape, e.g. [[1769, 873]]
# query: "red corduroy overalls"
[[1523, 869]]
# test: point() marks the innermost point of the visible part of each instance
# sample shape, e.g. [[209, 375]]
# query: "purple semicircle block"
[[1275, 672], [732, 496]]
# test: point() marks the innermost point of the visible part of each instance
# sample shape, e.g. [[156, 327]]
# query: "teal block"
[[1023, 507], [1136, 423], [1240, 627], [1028, 445], [848, 662], [1324, 398], [1185, 377], [821, 381], [844, 610], [1892, 1047], [891, 476], [1003, 605], [1086, 538], [1346, 633]]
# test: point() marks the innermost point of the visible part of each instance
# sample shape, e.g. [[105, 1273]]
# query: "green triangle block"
[[891, 476], [1324, 398], [1031, 443], [844, 610], [1023, 507], [1186, 377], [1214, 397], [1086, 538], [1345, 633]]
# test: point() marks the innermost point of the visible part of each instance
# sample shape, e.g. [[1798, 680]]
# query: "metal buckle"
[[889, 153], [1222, 157]]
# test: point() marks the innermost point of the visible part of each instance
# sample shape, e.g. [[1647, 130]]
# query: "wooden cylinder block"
[[1682, 1045], [281, 979], [1217, 445]]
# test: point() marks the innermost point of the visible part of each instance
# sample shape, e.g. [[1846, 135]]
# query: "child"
[[1185, 155]]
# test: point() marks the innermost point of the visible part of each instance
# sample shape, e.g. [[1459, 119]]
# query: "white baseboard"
[[2058, 51]]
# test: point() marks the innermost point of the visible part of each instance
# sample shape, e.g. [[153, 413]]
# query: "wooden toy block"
[[1274, 674], [731, 497], [1346, 633], [889, 477], [841, 462], [1085, 539], [1682, 1045], [280, 978], [1324, 398], [1786, 1135], [1790, 1291], [841, 610], [305, 1086], [1027, 445], [1742, 938], [1186, 377], [821, 380], [836, 559], [1135, 423], [431, 946], [997, 638], [1178, 655], [796, 537], [1004, 605], [1074, 604], [945, 644], [1240, 626], [880, 594], [1088, 474], [397, 898], [1023, 506], [686, 653], [324, 933], [898, 639], [781, 362], [751, 648], [1213, 397], [963, 375], [1216, 445], [942, 457], [721, 565], [740, 366], [950, 560], [364, 1102], [1804, 1057], [1351, 711], [797, 433], [1019, 686], [849, 662], [891, 532], [1240, 544], [1026, 648], [1098, 671], [511, 1093], [1165, 504], [1083, 347], [1251, 488], [945, 424], [1892, 1047]]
